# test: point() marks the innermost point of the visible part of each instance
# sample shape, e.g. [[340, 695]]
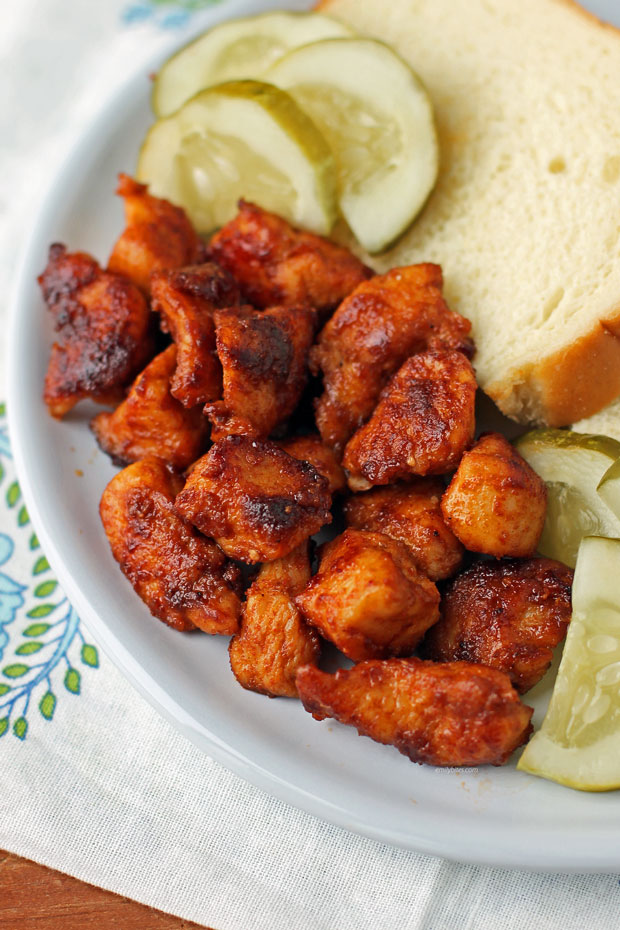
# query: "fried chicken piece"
[[439, 714], [422, 425], [278, 264], [151, 422], [412, 514], [274, 640], [496, 503], [371, 334], [264, 359], [157, 236], [104, 326], [186, 298], [368, 597], [507, 615], [256, 501], [309, 448], [181, 576]]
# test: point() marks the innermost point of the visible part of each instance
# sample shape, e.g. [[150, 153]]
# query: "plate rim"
[[600, 859]]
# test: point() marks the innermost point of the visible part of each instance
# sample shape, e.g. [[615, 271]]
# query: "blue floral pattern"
[[43, 651], [169, 14]]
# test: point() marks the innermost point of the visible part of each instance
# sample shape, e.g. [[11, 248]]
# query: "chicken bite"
[[182, 577], [256, 501], [151, 422], [264, 360], [186, 298], [439, 714], [274, 640], [309, 448], [496, 503], [412, 514], [278, 264], [422, 425], [368, 597], [104, 327], [507, 615], [371, 334], [157, 236]]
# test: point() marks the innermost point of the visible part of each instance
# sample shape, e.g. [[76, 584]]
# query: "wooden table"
[[35, 898]]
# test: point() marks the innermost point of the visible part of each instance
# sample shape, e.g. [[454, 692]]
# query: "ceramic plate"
[[497, 817]]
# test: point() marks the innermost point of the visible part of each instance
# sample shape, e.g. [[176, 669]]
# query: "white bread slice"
[[525, 219], [604, 423]]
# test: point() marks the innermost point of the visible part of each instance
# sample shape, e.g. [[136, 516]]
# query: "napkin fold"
[[92, 781]]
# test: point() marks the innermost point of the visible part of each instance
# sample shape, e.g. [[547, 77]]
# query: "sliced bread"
[[525, 219]]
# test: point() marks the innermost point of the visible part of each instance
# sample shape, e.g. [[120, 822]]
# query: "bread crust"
[[569, 385], [579, 379]]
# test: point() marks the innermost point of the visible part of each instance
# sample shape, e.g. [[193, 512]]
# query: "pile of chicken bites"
[[265, 384]]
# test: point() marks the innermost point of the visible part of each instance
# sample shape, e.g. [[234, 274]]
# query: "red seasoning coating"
[[451, 714], [150, 421], [509, 615], [277, 264], [256, 501], [104, 331], [371, 334], [183, 578], [421, 426]]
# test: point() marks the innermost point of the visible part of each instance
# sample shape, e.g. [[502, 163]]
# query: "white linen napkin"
[[92, 781]]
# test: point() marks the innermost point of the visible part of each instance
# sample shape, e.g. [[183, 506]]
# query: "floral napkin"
[[92, 781]]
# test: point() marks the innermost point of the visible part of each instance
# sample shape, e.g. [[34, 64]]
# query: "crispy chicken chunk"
[[181, 576], [508, 615], [412, 514], [157, 236], [277, 264], [264, 359], [151, 422], [256, 501], [104, 326], [274, 640], [382, 323], [422, 425], [311, 449], [496, 503], [368, 596], [452, 714], [185, 298]]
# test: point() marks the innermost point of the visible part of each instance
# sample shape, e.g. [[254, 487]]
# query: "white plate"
[[492, 816]]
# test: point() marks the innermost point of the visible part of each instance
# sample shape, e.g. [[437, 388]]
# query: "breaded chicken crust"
[[186, 299], [274, 640], [150, 421], [277, 264], [421, 426], [508, 615], [264, 362], [368, 597], [411, 513], [255, 500], [310, 448], [104, 326], [371, 334], [439, 714], [157, 236], [182, 577], [496, 503]]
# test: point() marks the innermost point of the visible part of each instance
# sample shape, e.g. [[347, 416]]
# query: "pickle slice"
[[376, 115], [572, 465], [234, 50], [578, 743], [241, 139]]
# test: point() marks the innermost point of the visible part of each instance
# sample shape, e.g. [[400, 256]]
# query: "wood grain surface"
[[33, 897]]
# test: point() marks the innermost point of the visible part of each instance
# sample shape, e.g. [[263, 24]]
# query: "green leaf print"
[[47, 705], [41, 565], [16, 670], [36, 629], [45, 588], [20, 727], [4, 725], [41, 611], [72, 681], [28, 649], [12, 494], [90, 656]]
